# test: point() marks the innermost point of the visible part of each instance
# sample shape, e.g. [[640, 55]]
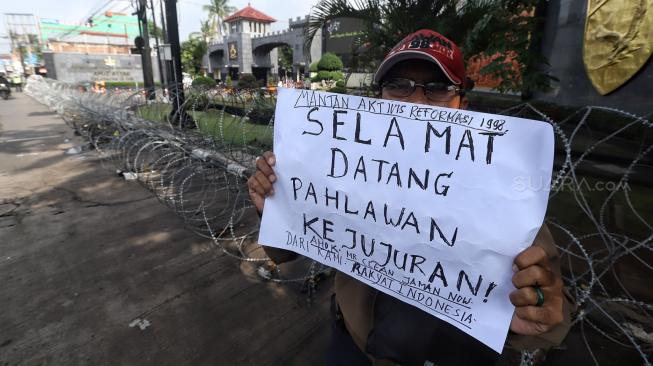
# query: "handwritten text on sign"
[[426, 204]]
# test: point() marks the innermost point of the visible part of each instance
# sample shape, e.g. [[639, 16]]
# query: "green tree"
[[218, 10], [203, 82], [512, 33], [192, 52], [285, 57], [205, 29], [329, 68], [248, 81], [330, 62], [155, 32], [479, 27]]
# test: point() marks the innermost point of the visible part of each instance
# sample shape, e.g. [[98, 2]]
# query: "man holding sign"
[[413, 200]]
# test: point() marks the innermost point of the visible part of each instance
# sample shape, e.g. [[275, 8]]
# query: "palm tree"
[[475, 25], [205, 30], [386, 21], [218, 10]]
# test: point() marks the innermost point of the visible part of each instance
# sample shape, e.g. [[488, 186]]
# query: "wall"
[[563, 46], [341, 36], [59, 47], [246, 43], [79, 67]]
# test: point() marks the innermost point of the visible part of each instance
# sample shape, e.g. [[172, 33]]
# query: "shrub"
[[328, 75], [273, 80], [330, 62], [322, 75], [336, 75], [313, 67], [248, 81], [338, 89], [340, 83], [197, 100], [228, 81], [203, 82], [125, 84], [262, 111]]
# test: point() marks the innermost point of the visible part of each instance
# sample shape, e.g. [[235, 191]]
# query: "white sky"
[[189, 11]]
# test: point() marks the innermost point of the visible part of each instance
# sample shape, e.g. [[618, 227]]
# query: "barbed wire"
[[603, 231]]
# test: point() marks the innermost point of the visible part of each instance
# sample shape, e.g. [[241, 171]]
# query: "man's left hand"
[[533, 269]]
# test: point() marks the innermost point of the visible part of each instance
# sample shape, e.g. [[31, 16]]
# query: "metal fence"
[[600, 207]]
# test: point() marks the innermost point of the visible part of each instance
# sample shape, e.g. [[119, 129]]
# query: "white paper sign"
[[427, 204]]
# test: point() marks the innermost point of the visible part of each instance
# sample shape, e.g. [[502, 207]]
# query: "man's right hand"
[[260, 183]]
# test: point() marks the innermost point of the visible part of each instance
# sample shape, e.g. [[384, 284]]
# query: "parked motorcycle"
[[5, 91]]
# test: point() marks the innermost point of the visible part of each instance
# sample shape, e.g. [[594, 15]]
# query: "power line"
[[83, 21], [191, 2], [68, 33]]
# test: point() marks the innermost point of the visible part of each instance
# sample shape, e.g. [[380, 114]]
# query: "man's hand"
[[534, 269], [260, 183]]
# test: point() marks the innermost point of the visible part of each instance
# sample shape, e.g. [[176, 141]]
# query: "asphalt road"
[[94, 270]]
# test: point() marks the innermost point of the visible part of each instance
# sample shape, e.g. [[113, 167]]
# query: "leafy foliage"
[[511, 34], [126, 84], [330, 62], [248, 81], [197, 100], [285, 57], [192, 52], [479, 27], [203, 82], [218, 10], [338, 89], [273, 80], [205, 29], [328, 68], [155, 32], [262, 111], [328, 75]]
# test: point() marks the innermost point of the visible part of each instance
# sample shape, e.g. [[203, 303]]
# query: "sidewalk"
[[94, 270]]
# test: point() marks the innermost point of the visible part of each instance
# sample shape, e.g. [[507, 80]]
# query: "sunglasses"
[[435, 91]]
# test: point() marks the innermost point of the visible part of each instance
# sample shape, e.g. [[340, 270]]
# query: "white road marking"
[[31, 138], [27, 154], [141, 323]]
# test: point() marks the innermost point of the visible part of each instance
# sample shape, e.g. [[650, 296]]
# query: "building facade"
[[80, 67], [250, 47], [99, 50], [108, 33]]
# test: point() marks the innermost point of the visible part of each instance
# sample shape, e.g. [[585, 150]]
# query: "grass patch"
[[223, 127], [232, 130], [154, 112], [126, 84]]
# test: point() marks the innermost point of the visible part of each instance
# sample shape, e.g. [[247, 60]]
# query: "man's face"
[[422, 72]]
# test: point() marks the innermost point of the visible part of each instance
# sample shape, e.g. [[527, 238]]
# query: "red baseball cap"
[[428, 45]]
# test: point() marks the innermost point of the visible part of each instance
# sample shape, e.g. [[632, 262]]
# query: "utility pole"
[[178, 114], [146, 53], [166, 63], [156, 40]]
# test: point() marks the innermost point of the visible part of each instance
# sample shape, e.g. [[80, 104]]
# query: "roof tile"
[[249, 13]]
